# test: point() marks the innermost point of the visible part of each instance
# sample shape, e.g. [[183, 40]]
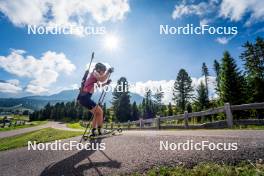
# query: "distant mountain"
[[34, 104], [66, 95], [38, 102]]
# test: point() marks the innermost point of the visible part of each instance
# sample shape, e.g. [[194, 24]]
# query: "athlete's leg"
[[94, 120], [94, 111], [100, 119]]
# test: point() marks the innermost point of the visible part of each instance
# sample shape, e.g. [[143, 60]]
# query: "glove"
[[111, 70], [108, 81]]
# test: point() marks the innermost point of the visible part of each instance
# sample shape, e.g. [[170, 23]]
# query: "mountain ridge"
[[39, 101]]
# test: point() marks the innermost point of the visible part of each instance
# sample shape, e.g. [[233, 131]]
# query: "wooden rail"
[[247, 106], [227, 109]]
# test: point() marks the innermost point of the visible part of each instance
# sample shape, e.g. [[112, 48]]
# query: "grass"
[[31, 124], [207, 169], [21, 117], [75, 125], [16, 117], [248, 127], [40, 136]]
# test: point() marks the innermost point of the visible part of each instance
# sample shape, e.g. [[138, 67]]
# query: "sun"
[[111, 42]]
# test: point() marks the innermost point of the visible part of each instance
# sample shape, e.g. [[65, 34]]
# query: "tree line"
[[233, 85]]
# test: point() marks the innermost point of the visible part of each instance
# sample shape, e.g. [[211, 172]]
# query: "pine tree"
[[148, 106], [121, 101], [108, 116], [158, 96], [231, 81], [217, 72], [79, 111], [201, 98], [47, 111], [205, 73], [135, 112], [189, 107], [142, 108], [163, 110], [253, 58], [183, 89], [170, 110]]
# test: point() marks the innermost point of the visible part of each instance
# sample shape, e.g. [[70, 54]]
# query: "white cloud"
[[204, 21], [63, 12], [56, 90], [43, 71], [35, 89], [259, 30], [236, 11], [224, 40], [10, 86], [21, 12], [167, 87], [190, 8], [227, 9], [75, 86], [142, 87], [13, 81], [193, 9]]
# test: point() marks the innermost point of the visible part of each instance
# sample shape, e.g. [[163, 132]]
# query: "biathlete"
[[98, 75]]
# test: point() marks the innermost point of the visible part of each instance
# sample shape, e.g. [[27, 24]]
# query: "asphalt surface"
[[134, 151], [57, 125]]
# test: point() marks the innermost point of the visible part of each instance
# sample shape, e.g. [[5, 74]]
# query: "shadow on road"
[[67, 166]]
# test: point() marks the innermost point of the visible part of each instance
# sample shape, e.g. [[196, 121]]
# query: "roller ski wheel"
[[86, 137]]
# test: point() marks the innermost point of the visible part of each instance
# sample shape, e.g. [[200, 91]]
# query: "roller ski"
[[102, 134]]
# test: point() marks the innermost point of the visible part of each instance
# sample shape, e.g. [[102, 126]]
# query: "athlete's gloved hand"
[[108, 81], [111, 70]]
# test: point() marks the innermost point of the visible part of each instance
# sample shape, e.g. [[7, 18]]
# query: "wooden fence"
[[14, 123], [227, 109]]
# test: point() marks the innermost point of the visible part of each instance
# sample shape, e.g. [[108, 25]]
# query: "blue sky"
[[142, 54]]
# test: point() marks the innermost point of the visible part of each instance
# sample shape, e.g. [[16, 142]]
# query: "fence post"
[[158, 122], [128, 125], [141, 123], [229, 116], [186, 119], [112, 126]]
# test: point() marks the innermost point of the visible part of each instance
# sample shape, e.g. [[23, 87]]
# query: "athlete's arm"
[[101, 78], [107, 82]]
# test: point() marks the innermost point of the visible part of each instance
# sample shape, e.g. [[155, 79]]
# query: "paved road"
[[57, 125], [134, 151]]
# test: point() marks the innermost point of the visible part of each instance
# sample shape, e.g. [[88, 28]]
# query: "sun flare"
[[111, 42]]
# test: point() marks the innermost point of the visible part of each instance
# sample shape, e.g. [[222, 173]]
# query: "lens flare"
[[111, 42]]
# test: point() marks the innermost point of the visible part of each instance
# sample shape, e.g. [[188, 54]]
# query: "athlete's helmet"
[[100, 67]]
